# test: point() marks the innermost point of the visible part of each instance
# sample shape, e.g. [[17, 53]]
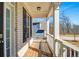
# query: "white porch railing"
[[65, 49]]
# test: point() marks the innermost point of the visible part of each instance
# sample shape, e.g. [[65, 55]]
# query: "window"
[[27, 26]]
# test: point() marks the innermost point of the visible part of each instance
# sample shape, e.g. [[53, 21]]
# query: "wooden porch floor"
[[39, 48]]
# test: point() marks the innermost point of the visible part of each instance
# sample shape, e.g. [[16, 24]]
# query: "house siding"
[[21, 47], [19, 26]]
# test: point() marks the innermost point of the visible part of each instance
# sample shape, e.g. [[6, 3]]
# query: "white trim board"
[[23, 50]]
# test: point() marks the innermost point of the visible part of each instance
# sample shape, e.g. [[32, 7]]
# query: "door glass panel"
[[8, 32]]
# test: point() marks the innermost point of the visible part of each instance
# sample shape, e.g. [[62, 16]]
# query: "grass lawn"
[[71, 35]]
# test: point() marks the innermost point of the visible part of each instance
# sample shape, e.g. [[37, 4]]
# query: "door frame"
[[8, 5]]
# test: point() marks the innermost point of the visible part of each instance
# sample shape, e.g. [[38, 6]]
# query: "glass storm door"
[[7, 32]]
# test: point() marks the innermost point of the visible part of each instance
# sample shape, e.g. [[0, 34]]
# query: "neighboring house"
[[39, 26], [35, 28]]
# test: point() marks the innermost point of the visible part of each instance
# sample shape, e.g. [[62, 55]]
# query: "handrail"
[[70, 45], [50, 35]]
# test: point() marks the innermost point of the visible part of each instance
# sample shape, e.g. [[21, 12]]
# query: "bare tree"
[[65, 22], [75, 29]]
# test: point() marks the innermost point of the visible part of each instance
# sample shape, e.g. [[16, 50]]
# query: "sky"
[[39, 20], [71, 9]]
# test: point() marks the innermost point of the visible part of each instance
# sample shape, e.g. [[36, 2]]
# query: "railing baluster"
[[64, 48], [70, 52], [74, 53], [78, 53], [57, 49], [65, 51], [61, 49]]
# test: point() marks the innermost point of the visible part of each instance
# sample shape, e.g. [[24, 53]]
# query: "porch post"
[[56, 23], [47, 26], [56, 30]]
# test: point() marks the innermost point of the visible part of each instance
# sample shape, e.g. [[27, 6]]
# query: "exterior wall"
[[21, 47], [19, 26]]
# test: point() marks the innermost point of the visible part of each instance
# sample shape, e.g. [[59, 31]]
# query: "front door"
[[9, 30], [1, 31], [7, 46]]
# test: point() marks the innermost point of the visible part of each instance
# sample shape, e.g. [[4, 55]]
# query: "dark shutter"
[[24, 25], [30, 26]]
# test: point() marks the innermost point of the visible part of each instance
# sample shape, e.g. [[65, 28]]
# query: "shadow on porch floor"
[[39, 48]]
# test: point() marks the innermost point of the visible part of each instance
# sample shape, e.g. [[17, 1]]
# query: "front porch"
[[41, 48], [17, 34], [52, 46]]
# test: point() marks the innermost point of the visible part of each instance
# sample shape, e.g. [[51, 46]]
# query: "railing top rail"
[[68, 44], [50, 35]]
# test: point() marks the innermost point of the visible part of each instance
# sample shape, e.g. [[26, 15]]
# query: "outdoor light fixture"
[[38, 8]]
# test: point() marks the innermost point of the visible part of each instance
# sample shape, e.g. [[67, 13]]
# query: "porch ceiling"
[[43, 12], [32, 8]]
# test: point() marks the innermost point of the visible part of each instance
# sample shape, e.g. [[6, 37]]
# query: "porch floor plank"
[[39, 48]]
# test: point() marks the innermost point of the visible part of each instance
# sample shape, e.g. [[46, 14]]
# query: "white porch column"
[[56, 30], [47, 26], [56, 23]]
